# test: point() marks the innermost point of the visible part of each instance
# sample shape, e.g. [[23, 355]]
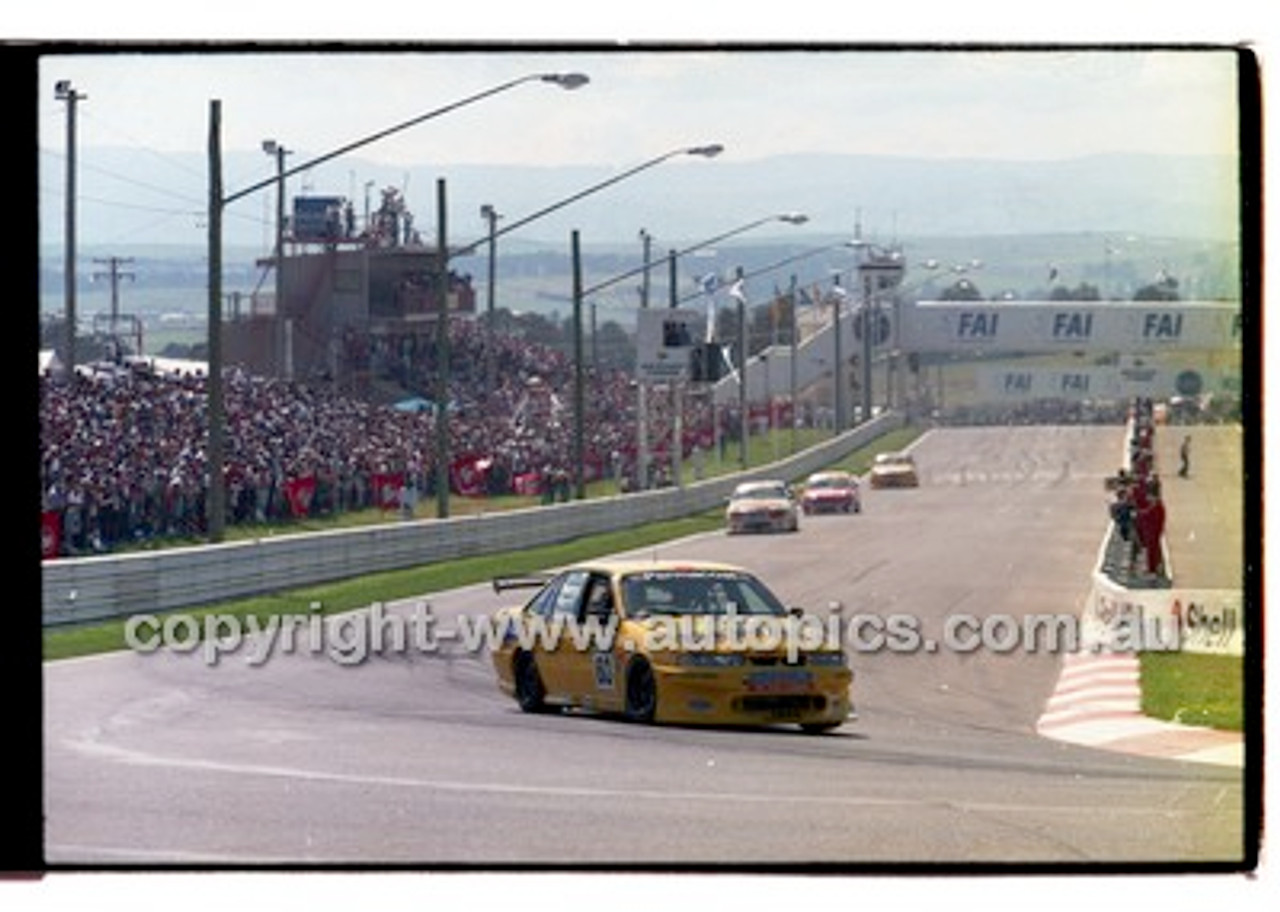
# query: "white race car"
[[762, 506]]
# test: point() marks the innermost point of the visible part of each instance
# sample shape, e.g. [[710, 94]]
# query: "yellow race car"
[[667, 641]]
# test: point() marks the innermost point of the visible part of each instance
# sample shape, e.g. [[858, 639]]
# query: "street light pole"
[[278, 152], [881, 270], [642, 385], [744, 423], [218, 202], [579, 392], [579, 403], [442, 357], [215, 502], [783, 262], [795, 352], [491, 215], [677, 400], [868, 329], [707, 151], [790, 218], [837, 334], [64, 91]]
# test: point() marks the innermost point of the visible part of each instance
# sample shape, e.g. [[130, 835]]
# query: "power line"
[[198, 213], [88, 166]]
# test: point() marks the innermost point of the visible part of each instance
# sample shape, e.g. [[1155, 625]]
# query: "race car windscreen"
[[760, 494], [830, 484], [697, 593]]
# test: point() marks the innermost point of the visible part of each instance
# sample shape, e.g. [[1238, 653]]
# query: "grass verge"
[[359, 592], [1192, 689]]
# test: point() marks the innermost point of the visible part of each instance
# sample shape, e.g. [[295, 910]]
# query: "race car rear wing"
[[531, 581]]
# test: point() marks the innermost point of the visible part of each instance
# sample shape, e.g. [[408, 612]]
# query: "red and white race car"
[[831, 492]]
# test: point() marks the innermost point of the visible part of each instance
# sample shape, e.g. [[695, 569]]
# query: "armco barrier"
[[76, 590]]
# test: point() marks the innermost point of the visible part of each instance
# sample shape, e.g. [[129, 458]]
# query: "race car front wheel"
[[642, 692]]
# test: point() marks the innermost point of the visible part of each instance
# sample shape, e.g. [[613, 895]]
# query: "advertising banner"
[[1092, 326], [386, 489], [50, 534], [1189, 620], [1114, 383]]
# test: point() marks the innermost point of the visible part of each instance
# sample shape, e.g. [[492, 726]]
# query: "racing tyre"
[[642, 692], [531, 695], [819, 728]]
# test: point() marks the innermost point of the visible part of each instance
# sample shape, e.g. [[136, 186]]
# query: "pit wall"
[[1159, 615]]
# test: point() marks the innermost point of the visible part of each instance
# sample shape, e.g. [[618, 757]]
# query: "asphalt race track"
[[415, 758]]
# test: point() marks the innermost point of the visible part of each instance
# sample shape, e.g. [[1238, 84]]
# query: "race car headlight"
[[711, 660], [826, 659]]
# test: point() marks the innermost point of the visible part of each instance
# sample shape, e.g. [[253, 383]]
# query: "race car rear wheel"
[[531, 694], [642, 692]]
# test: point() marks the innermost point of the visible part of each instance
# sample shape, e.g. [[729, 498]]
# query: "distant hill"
[[139, 197]]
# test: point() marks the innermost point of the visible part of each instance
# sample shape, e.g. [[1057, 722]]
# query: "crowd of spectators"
[[123, 452]]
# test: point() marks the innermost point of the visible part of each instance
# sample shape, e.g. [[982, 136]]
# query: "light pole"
[[881, 270], [956, 274], [804, 254], [642, 386], [795, 351], [216, 499], [739, 294], [442, 352], [579, 389], [64, 91], [442, 357], [707, 151], [790, 218], [491, 215], [838, 296], [579, 395], [278, 152]]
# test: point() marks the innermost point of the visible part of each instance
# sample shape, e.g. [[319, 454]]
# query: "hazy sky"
[[1000, 105]]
